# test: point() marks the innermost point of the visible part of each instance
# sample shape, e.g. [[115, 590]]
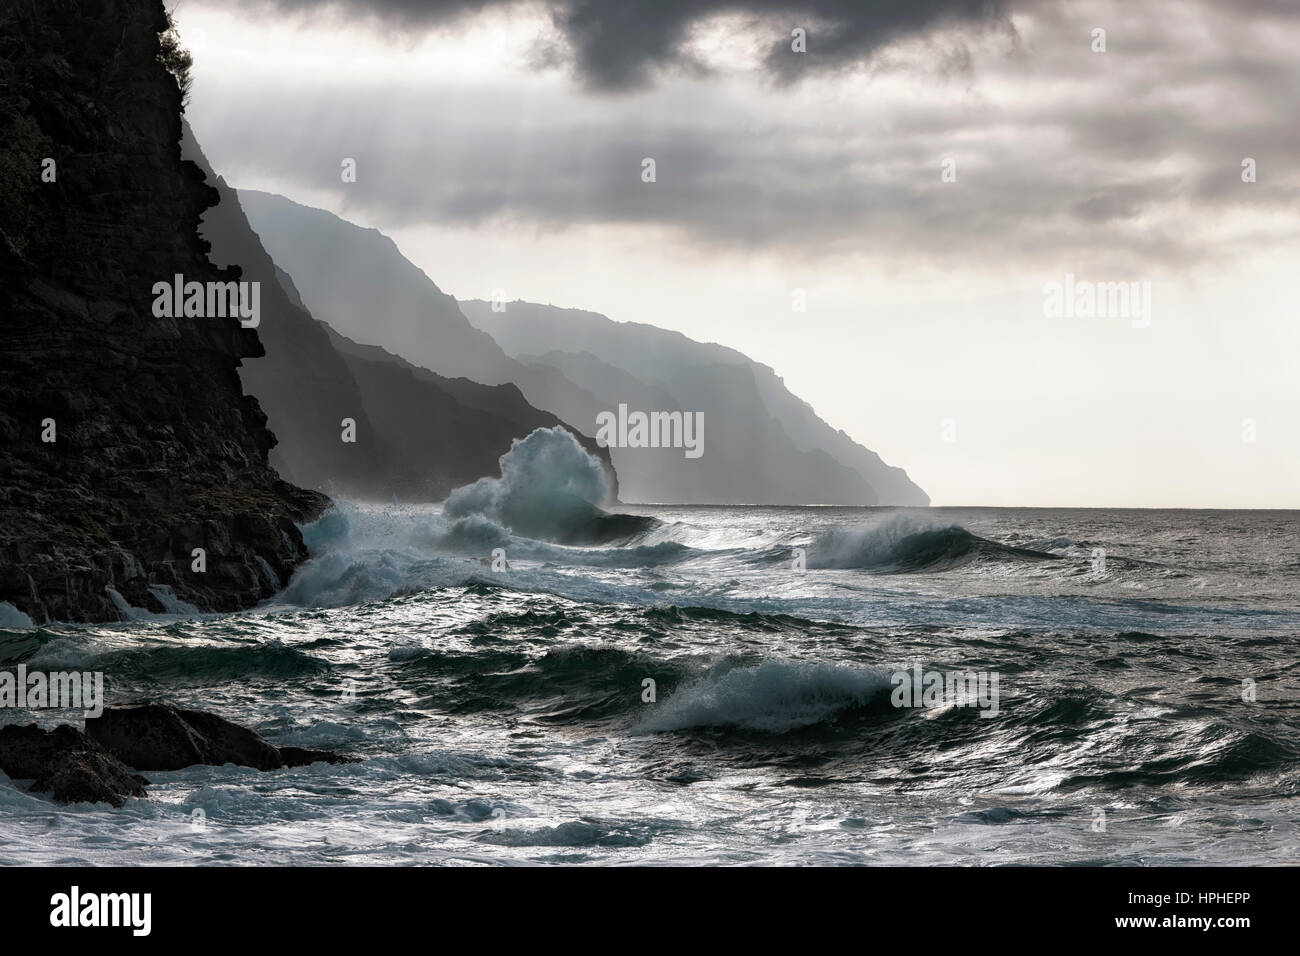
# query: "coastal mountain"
[[762, 444], [745, 457], [358, 282], [302, 383], [437, 433], [134, 468], [788, 454], [417, 435]]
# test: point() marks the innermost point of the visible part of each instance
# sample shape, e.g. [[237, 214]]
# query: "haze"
[[501, 146]]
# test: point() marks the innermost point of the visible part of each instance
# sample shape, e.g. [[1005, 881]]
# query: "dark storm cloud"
[[621, 44], [1131, 157], [724, 186]]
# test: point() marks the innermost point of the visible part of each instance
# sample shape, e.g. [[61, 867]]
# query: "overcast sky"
[[501, 146]]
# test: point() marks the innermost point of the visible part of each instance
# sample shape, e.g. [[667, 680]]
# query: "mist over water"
[[502, 715]]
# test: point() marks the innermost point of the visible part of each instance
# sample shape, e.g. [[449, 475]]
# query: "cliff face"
[[156, 451], [425, 433], [418, 435], [764, 444], [358, 282], [301, 382]]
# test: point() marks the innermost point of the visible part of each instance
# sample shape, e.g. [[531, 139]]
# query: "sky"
[[928, 178]]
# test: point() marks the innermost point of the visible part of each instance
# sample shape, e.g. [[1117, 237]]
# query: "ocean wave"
[[772, 697], [1209, 757], [571, 683], [551, 488], [13, 619], [575, 834], [672, 614], [899, 542], [363, 554], [178, 664]]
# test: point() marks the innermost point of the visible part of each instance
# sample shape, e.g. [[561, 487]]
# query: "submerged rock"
[[98, 766], [67, 764], [162, 737], [301, 756]]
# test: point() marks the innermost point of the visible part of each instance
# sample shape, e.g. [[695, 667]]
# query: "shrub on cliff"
[[176, 58]]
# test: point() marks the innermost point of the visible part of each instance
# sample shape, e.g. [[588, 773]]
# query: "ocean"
[[719, 686]]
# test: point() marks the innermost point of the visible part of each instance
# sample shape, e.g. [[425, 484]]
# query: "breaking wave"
[[772, 697], [550, 488], [901, 543]]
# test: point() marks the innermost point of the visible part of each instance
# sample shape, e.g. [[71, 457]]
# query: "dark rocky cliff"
[[157, 449]]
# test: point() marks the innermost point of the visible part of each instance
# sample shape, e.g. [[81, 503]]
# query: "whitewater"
[[530, 678]]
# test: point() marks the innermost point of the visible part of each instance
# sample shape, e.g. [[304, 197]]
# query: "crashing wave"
[[773, 697], [551, 488], [901, 542]]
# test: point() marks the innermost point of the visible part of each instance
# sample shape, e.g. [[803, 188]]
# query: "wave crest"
[[901, 542], [550, 488], [772, 697]]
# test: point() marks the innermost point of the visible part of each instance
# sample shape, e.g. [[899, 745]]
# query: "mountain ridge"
[[624, 344], [416, 437], [765, 445]]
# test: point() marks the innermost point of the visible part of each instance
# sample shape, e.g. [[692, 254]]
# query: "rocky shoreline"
[[99, 765], [135, 470]]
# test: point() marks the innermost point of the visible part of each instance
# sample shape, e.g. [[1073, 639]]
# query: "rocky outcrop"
[[98, 766], [163, 737], [67, 765], [127, 441]]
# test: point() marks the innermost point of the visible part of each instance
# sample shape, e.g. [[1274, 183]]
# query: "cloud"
[[1126, 161], [625, 44]]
